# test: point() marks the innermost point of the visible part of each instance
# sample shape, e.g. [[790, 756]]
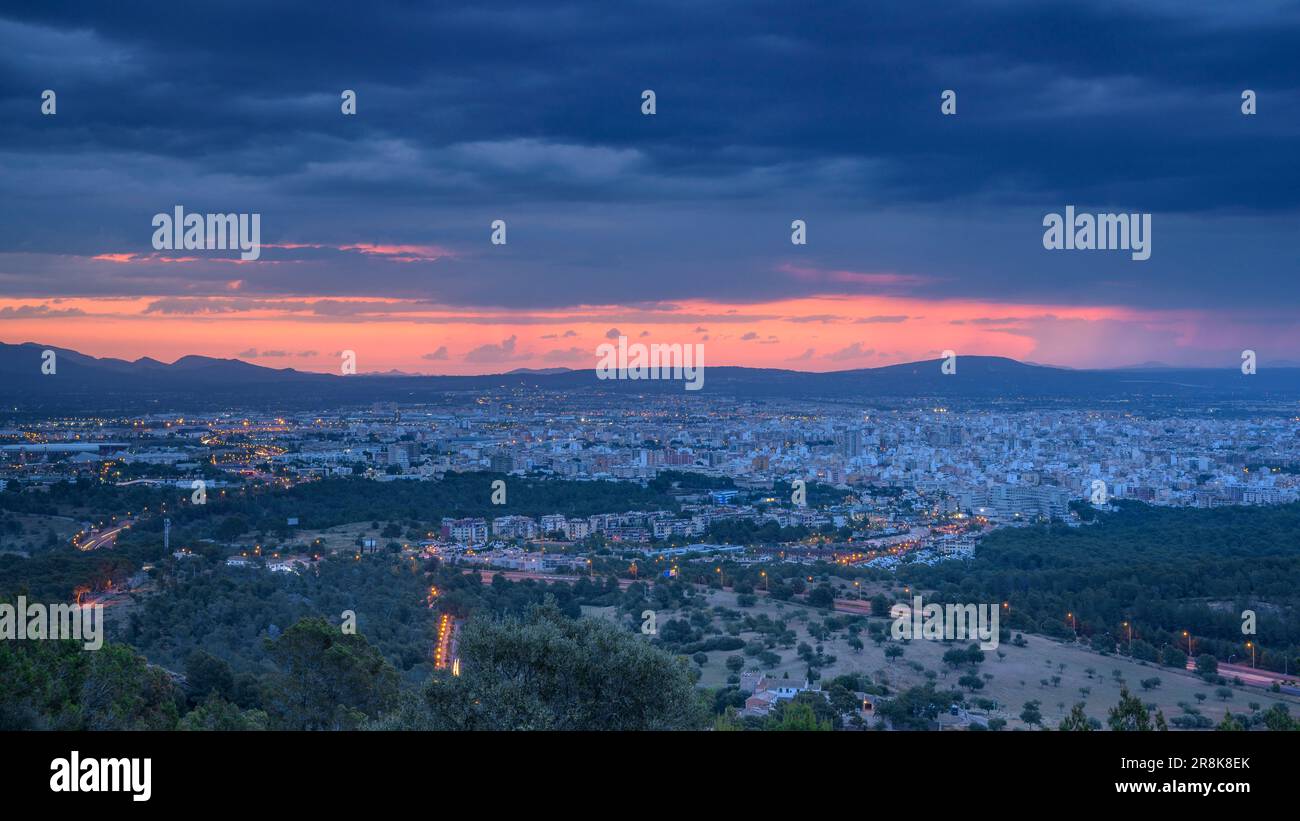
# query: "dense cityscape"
[[838, 503]]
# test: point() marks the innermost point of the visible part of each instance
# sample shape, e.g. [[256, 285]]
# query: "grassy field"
[[1017, 677], [36, 531], [339, 538]]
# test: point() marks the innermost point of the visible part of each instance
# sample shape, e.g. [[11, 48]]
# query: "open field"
[[34, 533], [338, 538], [1017, 677]]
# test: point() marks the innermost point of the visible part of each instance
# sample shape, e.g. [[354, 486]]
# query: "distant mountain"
[[200, 382], [1148, 366], [1042, 365]]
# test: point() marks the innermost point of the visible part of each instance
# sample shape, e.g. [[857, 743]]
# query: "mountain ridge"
[[102, 382]]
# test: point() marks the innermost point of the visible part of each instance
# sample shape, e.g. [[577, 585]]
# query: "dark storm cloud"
[[766, 111]]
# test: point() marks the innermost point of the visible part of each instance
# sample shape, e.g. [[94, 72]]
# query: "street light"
[[1251, 645], [1188, 636], [1130, 637]]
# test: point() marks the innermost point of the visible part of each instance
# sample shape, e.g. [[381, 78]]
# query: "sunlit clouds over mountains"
[[924, 232]]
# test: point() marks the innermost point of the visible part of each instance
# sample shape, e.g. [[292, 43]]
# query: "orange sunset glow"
[[822, 333]]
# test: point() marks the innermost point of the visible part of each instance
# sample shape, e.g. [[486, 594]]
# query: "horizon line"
[[555, 370]]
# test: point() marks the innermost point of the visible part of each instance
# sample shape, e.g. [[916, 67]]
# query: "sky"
[[924, 230]]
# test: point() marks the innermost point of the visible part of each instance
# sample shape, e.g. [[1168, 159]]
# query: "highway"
[[444, 648], [96, 539], [1253, 676]]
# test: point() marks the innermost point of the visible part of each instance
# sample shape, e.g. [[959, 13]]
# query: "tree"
[[1278, 717], [215, 713], [955, 657], [842, 699], [971, 682], [1077, 720], [1173, 657], [879, 605], [822, 596], [1230, 722], [782, 591], [231, 529], [120, 692], [893, 651], [1031, 714], [206, 674], [1131, 715], [546, 671], [799, 716], [676, 631], [917, 707], [1144, 651], [1207, 666], [57, 685], [327, 679], [728, 721]]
